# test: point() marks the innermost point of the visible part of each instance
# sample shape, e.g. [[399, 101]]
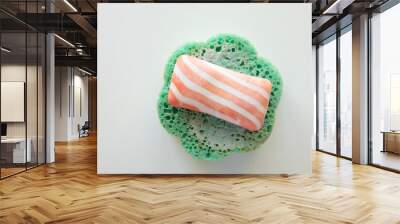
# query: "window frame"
[[334, 37]]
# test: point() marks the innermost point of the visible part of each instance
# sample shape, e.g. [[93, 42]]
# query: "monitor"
[[3, 129]]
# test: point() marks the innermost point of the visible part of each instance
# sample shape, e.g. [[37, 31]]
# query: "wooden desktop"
[[391, 141]]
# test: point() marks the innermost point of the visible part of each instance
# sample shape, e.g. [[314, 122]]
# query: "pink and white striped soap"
[[235, 97]]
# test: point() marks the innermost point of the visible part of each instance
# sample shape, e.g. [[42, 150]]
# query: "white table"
[[18, 144]]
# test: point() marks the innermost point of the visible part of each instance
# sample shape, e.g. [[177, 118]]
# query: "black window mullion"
[[338, 91], [26, 87], [45, 93], [369, 89], [0, 97], [317, 96], [73, 92], [37, 90]]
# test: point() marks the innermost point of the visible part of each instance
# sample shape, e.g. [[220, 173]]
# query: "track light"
[[84, 71], [5, 50], [65, 41], [329, 9], [70, 5], [337, 7], [79, 51]]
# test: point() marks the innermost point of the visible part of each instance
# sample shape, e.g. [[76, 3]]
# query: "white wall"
[[79, 117], [62, 81], [67, 117], [33, 127], [135, 41], [12, 73], [18, 73]]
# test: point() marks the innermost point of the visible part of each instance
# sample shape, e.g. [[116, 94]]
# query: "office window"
[[346, 94], [385, 89], [327, 96]]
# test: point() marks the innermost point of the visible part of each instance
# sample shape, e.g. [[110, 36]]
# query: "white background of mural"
[[135, 41]]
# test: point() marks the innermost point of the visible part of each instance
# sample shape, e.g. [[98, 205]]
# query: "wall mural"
[[219, 97]]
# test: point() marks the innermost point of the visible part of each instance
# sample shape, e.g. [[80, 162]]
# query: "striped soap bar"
[[204, 87]]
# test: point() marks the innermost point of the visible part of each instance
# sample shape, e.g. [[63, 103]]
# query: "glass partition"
[[385, 89], [14, 155], [41, 97], [32, 95], [22, 101]]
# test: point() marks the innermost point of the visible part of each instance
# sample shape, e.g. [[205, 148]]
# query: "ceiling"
[[75, 21]]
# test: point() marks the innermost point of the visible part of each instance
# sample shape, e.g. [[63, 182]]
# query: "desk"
[[391, 141], [13, 150]]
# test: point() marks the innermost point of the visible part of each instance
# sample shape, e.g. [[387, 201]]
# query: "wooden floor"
[[69, 191], [5, 172], [386, 159]]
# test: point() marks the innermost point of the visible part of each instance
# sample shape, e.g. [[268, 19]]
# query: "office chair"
[[84, 130]]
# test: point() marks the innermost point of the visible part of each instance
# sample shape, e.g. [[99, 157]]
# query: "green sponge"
[[206, 137]]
